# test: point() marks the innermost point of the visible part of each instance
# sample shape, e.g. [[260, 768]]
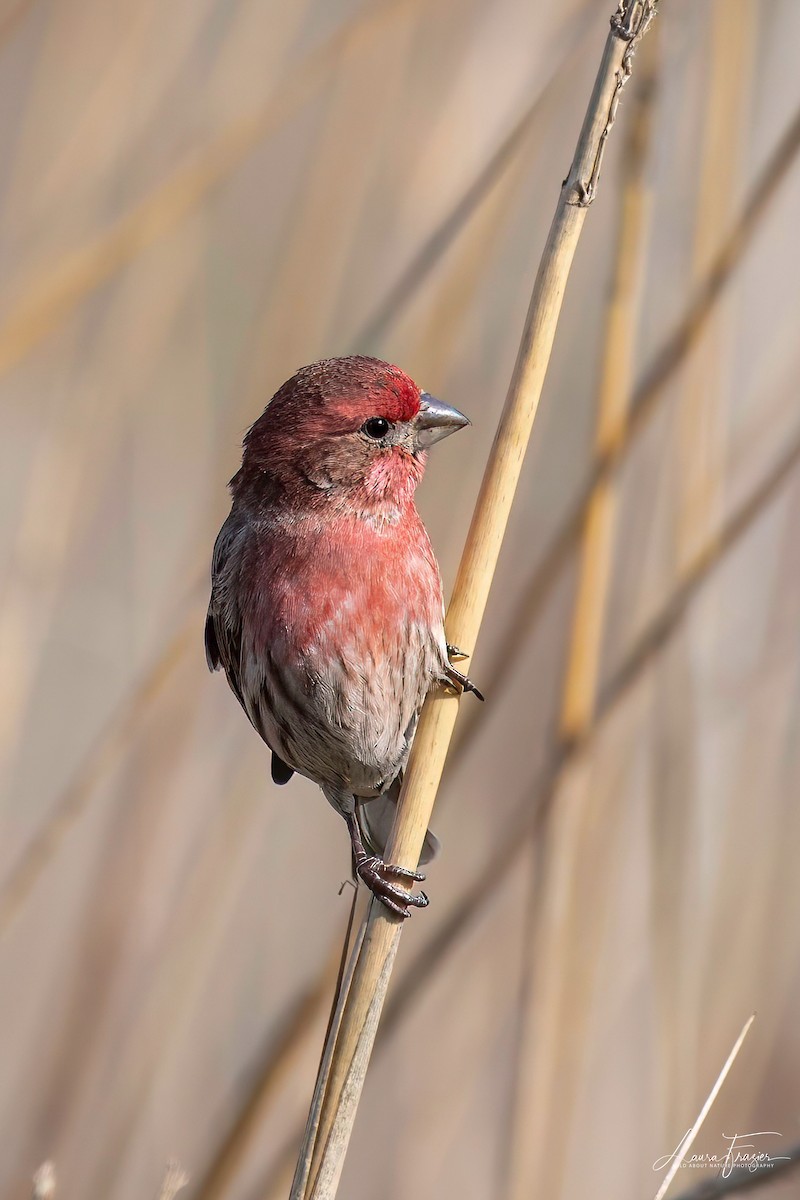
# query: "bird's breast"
[[350, 641]]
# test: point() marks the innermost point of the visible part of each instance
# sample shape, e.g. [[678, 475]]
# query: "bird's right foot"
[[378, 876], [461, 683]]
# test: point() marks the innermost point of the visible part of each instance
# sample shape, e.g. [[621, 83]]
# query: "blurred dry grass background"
[[196, 199]]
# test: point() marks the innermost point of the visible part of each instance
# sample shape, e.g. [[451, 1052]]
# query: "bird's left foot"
[[461, 683], [378, 876]]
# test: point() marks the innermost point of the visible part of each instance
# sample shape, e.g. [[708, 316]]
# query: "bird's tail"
[[376, 818]]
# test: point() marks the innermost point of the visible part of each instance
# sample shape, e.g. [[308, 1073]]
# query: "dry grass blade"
[[373, 968], [688, 1141]]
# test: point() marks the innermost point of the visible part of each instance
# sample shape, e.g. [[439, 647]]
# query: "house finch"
[[326, 604]]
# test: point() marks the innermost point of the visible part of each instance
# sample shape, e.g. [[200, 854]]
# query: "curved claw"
[[374, 871], [402, 872], [462, 683], [454, 654]]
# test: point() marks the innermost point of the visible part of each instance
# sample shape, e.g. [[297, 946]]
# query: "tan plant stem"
[[547, 1009], [361, 1013], [613, 398]]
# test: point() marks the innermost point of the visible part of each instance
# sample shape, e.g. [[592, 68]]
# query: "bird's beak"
[[435, 421]]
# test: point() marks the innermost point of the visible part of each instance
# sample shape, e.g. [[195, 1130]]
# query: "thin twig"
[[688, 1141], [373, 968]]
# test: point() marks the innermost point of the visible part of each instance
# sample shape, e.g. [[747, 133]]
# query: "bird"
[[326, 612]]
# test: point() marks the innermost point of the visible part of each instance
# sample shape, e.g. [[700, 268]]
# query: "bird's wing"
[[223, 634]]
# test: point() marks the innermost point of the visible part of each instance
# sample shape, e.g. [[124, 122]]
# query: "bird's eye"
[[376, 427]]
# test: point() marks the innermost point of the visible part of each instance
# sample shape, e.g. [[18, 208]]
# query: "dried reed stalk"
[[334, 1116], [614, 392], [555, 1001], [699, 431], [700, 425]]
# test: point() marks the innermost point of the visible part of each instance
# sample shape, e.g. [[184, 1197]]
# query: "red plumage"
[[326, 608]]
